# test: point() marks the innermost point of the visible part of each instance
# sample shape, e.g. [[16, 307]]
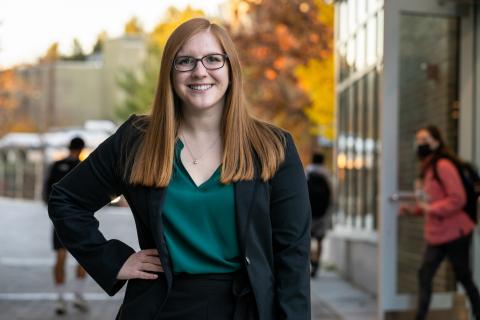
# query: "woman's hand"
[[141, 265], [405, 209], [423, 206]]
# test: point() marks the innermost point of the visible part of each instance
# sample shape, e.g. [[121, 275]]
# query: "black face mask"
[[424, 150]]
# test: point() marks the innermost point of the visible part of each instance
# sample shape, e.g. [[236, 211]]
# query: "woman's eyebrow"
[[200, 56]]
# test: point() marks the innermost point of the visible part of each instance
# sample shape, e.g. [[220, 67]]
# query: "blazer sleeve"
[[455, 197], [291, 218], [73, 202]]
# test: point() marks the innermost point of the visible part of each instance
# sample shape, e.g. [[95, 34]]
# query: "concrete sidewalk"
[[335, 299]]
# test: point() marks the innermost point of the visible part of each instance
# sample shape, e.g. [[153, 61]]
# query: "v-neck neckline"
[[178, 160]]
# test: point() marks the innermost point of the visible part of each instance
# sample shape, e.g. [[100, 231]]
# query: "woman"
[[448, 228], [219, 199]]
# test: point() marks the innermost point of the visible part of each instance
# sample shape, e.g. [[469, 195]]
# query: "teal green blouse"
[[199, 222]]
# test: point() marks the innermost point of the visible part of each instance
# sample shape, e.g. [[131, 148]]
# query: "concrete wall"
[[354, 259], [126, 53], [78, 92]]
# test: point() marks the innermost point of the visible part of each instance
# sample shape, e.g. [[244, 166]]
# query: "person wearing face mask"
[[448, 228], [219, 198]]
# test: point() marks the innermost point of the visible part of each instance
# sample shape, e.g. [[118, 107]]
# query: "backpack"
[[319, 192], [471, 184]]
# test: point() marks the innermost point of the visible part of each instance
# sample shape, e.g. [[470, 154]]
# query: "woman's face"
[[200, 88], [423, 137]]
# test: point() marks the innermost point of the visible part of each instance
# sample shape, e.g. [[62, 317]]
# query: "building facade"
[[68, 93], [400, 65]]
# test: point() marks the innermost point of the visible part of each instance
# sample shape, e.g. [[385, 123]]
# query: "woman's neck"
[[200, 123]]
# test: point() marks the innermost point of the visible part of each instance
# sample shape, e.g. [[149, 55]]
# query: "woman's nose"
[[199, 70]]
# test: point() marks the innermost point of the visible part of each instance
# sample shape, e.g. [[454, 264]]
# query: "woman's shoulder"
[[129, 133], [134, 126], [445, 164], [136, 122]]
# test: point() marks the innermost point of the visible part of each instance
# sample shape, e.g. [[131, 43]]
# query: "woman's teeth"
[[200, 87]]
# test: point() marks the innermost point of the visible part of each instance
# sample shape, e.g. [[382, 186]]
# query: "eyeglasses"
[[210, 62]]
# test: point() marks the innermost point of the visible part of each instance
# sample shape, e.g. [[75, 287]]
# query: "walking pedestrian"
[[219, 198], [320, 195], [448, 228], [57, 171]]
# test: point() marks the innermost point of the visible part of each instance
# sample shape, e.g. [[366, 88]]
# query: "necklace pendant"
[[195, 161]]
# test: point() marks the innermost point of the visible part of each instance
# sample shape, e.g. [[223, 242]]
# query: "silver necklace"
[[196, 160]]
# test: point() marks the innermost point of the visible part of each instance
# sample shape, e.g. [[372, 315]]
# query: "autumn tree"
[[13, 90], [317, 79], [133, 27], [286, 49], [139, 87], [51, 54]]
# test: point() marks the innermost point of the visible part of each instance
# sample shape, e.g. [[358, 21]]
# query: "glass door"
[[425, 81]]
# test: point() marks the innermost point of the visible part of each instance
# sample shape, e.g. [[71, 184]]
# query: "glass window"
[[360, 57], [428, 90], [353, 124], [380, 35], [372, 41], [341, 153], [370, 147], [342, 62], [352, 17], [351, 54], [343, 23], [372, 6], [361, 10], [358, 163]]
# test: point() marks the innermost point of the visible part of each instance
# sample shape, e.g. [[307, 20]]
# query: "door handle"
[[403, 196]]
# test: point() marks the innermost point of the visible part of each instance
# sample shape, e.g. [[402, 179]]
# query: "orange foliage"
[[270, 74], [12, 116], [276, 38]]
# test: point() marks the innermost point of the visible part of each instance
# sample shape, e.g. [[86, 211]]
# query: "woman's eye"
[[214, 58], [185, 60]]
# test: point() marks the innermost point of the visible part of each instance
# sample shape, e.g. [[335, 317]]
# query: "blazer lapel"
[[244, 198]]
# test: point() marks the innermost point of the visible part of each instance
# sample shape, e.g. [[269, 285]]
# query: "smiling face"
[[200, 88]]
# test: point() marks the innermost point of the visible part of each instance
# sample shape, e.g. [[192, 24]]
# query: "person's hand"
[[423, 206], [405, 209], [141, 265]]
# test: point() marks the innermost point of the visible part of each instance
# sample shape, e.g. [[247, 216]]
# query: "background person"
[[320, 195], [448, 228], [56, 172]]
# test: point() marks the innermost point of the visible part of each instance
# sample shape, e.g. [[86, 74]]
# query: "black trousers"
[[458, 252], [209, 297]]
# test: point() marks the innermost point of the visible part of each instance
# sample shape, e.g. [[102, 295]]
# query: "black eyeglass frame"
[[225, 57]]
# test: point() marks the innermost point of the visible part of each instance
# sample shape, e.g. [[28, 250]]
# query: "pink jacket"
[[445, 220]]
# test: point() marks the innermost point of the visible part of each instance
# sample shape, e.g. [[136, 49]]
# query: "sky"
[[29, 27]]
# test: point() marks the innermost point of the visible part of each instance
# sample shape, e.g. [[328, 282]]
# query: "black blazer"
[[273, 224]]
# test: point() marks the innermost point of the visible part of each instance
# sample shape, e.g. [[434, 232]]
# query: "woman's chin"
[[202, 106]]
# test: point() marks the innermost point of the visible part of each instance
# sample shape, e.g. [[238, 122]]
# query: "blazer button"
[[247, 260]]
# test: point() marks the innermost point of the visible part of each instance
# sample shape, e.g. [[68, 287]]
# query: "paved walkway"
[[26, 259], [335, 299]]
